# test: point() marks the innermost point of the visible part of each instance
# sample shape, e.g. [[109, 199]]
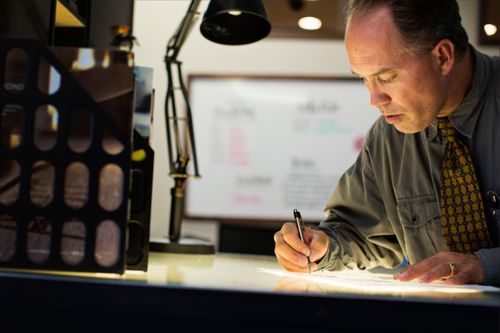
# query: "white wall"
[[156, 21]]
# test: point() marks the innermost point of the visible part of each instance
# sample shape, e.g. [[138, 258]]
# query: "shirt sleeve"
[[490, 261], [361, 236], [490, 258]]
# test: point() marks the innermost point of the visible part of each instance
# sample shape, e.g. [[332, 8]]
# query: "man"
[[424, 185]]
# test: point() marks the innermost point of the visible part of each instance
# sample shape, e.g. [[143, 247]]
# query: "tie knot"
[[446, 128]]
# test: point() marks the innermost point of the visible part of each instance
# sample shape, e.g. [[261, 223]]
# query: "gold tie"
[[462, 212]]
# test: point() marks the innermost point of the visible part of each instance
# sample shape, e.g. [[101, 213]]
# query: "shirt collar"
[[465, 116]]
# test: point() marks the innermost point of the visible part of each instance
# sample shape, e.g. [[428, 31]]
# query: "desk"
[[226, 293]]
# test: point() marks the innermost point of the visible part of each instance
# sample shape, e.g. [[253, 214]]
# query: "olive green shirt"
[[386, 206]]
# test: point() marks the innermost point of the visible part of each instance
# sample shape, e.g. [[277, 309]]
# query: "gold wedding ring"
[[453, 269]]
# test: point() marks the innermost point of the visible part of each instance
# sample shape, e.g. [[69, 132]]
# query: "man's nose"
[[378, 99]]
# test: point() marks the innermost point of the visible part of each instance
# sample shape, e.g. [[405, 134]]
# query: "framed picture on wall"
[[267, 145]]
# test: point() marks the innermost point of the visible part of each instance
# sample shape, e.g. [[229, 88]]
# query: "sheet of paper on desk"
[[376, 282]]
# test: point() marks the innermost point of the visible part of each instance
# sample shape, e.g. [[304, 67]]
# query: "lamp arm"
[[170, 99], [175, 43], [189, 121], [188, 150], [171, 117], [183, 149]]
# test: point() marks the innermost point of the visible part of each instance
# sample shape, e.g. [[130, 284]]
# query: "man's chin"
[[407, 129]]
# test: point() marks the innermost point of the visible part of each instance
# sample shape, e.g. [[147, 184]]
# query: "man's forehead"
[[375, 26], [372, 59], [373, 44]]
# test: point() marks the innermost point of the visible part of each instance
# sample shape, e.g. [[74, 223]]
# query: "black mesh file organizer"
[[65, 147]]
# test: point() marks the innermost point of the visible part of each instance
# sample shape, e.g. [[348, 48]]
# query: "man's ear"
[[444, 54]]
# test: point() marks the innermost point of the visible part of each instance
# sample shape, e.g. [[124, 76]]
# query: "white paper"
[[377, 282]]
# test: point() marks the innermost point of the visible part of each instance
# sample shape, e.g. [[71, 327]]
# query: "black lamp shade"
[[235, 22]]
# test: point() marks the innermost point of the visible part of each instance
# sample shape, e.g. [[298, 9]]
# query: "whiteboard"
[[267, 145]]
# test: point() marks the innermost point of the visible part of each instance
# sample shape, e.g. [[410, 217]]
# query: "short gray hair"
[[421, 23]]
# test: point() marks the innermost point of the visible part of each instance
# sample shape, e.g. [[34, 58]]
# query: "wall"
[[156, 21]]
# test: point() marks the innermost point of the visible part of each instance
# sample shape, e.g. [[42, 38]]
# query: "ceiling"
[[284, 15]]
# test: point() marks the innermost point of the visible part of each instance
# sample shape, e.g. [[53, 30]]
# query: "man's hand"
[[454, 268], [292, 254]]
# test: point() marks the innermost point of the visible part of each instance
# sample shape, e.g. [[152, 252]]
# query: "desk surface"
[[229, 292]]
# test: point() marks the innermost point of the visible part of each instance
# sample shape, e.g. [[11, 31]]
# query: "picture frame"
[[267, 145]]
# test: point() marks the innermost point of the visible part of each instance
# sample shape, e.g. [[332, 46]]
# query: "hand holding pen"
[[298, 249]]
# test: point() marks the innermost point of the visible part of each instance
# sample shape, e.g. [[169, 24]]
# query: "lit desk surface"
[[226, 292]]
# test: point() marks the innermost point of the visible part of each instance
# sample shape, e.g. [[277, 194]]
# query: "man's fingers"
[[412, 272], [463, 274], [288, 258], [428, 264], [293, 254], [318, 244], [455, 268], [437, 272], [291, 266], [462, 277], [291, 237], [286, 254]]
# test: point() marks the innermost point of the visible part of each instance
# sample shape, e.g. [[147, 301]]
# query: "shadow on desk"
[[246, 239]]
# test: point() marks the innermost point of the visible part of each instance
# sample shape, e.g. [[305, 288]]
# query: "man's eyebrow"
[[382, 71]]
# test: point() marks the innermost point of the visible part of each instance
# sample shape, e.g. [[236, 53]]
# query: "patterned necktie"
[[463, 220]]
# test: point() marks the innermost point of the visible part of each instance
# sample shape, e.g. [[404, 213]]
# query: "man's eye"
[[386, 78]]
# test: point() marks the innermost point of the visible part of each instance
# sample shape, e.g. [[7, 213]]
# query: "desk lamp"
[[230, 22]]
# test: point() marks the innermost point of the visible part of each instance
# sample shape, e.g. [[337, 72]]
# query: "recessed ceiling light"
[[310, 23], [235, 12], [490, 29]]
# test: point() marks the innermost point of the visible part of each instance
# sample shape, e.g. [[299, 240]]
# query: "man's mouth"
[[391, 119]]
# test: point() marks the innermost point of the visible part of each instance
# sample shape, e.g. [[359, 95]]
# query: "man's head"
[[407, 53], [420, 23]]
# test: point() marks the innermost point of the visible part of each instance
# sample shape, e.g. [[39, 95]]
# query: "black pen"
[[300, 228]]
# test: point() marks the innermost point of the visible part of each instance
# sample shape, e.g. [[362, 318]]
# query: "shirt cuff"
[[490, 262], [331, 259]]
